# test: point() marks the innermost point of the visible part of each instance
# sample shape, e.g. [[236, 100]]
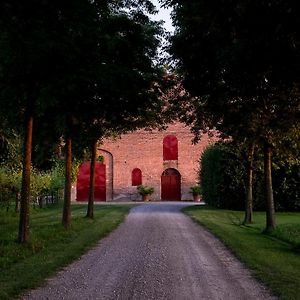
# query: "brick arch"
[[171, 185], [170, 147], [109, 162]]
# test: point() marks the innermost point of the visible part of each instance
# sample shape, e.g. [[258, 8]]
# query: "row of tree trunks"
[[25, 192], [270, 207], [66, 219], [23, 234]]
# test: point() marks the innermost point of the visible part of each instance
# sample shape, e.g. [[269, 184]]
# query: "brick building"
[[166, 160]]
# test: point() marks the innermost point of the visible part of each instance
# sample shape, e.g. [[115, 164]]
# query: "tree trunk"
[[90, 210], [66, 219], [25, 190], [249, 186], [270, 209]]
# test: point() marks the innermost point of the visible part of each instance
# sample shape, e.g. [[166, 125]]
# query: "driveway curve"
[[157, 253]]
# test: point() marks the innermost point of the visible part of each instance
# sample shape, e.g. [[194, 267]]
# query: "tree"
[[44, 46], [54, 63], [119, 46], [129, 42], [242, 66], [25, 39]]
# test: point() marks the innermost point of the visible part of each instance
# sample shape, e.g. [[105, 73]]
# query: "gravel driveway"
[[157, 253]]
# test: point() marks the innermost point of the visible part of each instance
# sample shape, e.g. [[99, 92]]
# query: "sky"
[[163, 14]]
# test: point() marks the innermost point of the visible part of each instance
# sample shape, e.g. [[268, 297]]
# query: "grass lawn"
[[274, 258], [50, 247]]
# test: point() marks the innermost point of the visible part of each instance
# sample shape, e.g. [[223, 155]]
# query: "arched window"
[[136, 177], [170, 148]]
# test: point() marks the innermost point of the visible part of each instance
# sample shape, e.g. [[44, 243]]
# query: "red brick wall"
[[144, 150]]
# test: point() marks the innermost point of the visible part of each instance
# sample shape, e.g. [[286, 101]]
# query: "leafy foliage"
[[43, 183], [145, 190], [242, 68], [74, 69], [223, 179], [196, 190], [211, 175]]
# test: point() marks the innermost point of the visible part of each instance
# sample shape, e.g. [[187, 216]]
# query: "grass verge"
[[273, 258], [51, 247]]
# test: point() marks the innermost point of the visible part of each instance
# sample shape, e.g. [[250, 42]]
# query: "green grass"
[[51, 247], [273, 258]]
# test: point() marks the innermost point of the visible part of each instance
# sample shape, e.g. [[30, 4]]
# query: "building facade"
[[166, 160]]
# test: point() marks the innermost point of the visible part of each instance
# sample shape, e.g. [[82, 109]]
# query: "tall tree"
[[45, 46], [242, 64], [126, 97], [25, 38], [113, 87]]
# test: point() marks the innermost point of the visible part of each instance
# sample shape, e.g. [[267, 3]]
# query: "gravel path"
[[157, 253]]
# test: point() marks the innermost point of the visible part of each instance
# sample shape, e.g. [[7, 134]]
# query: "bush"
[[287, 191], [196, 190], [223, 177], [286, 182], [41, 183], [145, 190], [211, 175], [10, 185]]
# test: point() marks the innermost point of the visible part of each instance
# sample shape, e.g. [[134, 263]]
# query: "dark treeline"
[[240, 62], [223, 174], [71, 73]]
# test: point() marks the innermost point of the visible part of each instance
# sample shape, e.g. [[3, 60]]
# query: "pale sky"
[[163, 14]]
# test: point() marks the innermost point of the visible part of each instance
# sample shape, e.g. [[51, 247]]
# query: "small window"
[[170, 148], [136, 177]]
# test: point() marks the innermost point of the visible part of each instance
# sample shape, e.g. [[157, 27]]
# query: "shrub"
[[211, 175], [223, 177], [145, 190], [196, 190]]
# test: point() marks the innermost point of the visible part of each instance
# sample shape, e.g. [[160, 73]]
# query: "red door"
[[171, 185], [83, 182]]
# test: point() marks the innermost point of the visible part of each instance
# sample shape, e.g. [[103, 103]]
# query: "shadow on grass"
[[235, 219]]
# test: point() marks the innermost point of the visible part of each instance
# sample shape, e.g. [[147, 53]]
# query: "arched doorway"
[[136, 177], [83, 182], [109, 162], [171, 185]]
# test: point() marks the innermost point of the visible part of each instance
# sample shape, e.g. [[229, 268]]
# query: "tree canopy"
[[240, 62], [77, 68]]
